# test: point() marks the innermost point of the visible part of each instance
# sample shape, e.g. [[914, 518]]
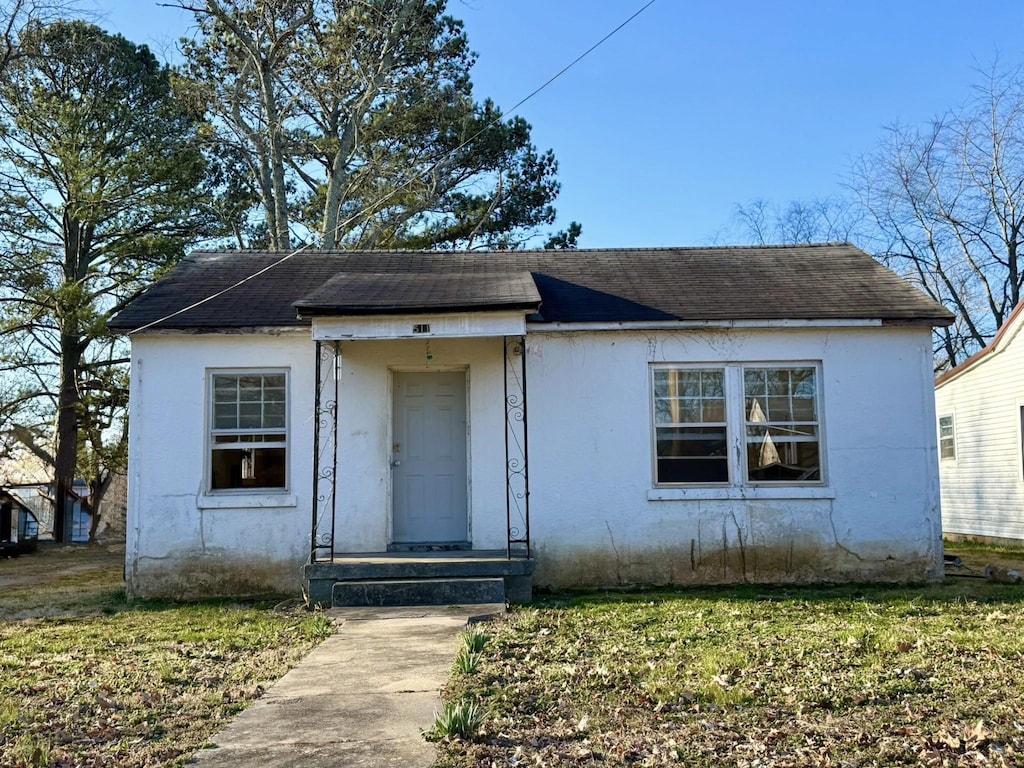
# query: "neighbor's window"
[[781, 424], [947, 438], [690, 425], [736, 424], [248, 430]]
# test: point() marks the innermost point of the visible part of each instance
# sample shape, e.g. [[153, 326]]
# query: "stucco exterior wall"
[[364, 436], [181, 540], [983, 485], [597, 518], [184, 541]]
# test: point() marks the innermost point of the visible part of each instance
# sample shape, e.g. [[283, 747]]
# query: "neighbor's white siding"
[[983, 487], [597, 518]]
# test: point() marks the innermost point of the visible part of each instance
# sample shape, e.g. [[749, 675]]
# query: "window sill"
[[246, 500], [733, 492]]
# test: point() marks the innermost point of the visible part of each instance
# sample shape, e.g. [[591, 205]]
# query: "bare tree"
[[824, 220], [947, 202]]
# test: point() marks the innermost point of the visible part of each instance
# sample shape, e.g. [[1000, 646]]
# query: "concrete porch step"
[[429, 591], [319, 578]]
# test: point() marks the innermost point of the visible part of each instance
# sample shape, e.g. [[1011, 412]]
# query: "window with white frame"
[[947, 438], [690, 426], [248, 430], [769, 412]]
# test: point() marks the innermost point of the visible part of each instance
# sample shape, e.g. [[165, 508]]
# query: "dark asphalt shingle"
[[355, 293], [808, 282]]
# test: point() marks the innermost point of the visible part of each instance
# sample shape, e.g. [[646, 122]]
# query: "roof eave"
[[355, 310]]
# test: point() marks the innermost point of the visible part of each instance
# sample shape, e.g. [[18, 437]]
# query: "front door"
[[428, 458]]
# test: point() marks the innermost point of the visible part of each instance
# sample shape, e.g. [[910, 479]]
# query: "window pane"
[[250, 388], [663, 411], [689, 411], [689, 383], [777, 381], [778, 409], [273, 415], [248, 468], [754, 383], [661, 383], [713, 383], [692, 455], [714, 410], [803, 409], [225, 416]]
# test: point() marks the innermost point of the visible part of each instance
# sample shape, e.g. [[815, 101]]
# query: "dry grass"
[[87, 678], [845, 676]]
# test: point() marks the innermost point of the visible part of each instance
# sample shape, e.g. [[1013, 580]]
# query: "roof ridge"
[[613, 249]]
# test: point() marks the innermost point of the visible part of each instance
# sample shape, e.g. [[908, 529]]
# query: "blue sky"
[[697, 106]]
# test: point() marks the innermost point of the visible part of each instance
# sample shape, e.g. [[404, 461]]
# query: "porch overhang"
[[420, 325], [409, 305]]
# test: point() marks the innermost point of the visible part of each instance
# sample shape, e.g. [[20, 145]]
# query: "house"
[[980, 407], [19, 529], [595, 417], [38, 498]]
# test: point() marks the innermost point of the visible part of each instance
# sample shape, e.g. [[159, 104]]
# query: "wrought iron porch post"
[[325, 449], [517, 453]]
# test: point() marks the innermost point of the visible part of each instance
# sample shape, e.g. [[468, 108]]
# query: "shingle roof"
[[355, 293], [808, 282]]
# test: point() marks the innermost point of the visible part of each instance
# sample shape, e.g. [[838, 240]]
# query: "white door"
[[428, 458]]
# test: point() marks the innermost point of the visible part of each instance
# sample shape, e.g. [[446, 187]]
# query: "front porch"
[[418, 578], [434, 515]]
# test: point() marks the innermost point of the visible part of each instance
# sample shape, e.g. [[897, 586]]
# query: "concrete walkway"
[[363, 697]]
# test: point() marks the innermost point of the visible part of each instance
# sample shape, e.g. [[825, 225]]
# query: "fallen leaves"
[[846, 678]]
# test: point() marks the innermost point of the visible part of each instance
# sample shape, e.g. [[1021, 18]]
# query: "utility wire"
[[407, 181]]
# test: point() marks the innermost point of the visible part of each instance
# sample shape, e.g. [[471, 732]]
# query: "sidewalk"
[[361, 698]]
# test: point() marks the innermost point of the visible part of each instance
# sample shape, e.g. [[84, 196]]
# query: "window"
[[248, 430], [947, 438], [690, 431], [737, 424], [781, 424]]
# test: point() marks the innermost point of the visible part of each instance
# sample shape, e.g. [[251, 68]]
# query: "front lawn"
[[844, 676], [88, 679]]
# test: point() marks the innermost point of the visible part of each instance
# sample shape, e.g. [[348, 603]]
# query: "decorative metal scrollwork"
[[325, 451], [517, 488]]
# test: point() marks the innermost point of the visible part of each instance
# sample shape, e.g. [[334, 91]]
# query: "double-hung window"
[[947, 438], [781, 424], [737, 424], [248, 430], [690, 425]]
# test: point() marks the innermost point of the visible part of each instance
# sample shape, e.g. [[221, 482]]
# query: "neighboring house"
[[19, 529], [39, 498], [610, 417], [980, 409]]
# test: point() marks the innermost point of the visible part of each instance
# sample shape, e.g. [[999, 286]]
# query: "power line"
[[407, 181]]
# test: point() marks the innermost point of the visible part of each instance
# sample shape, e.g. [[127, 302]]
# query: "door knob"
[[395, 462]]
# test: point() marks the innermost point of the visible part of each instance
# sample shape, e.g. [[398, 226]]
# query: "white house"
[[980, 408], [607, 417]]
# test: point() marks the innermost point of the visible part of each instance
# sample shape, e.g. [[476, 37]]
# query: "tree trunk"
[[65, 455]]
